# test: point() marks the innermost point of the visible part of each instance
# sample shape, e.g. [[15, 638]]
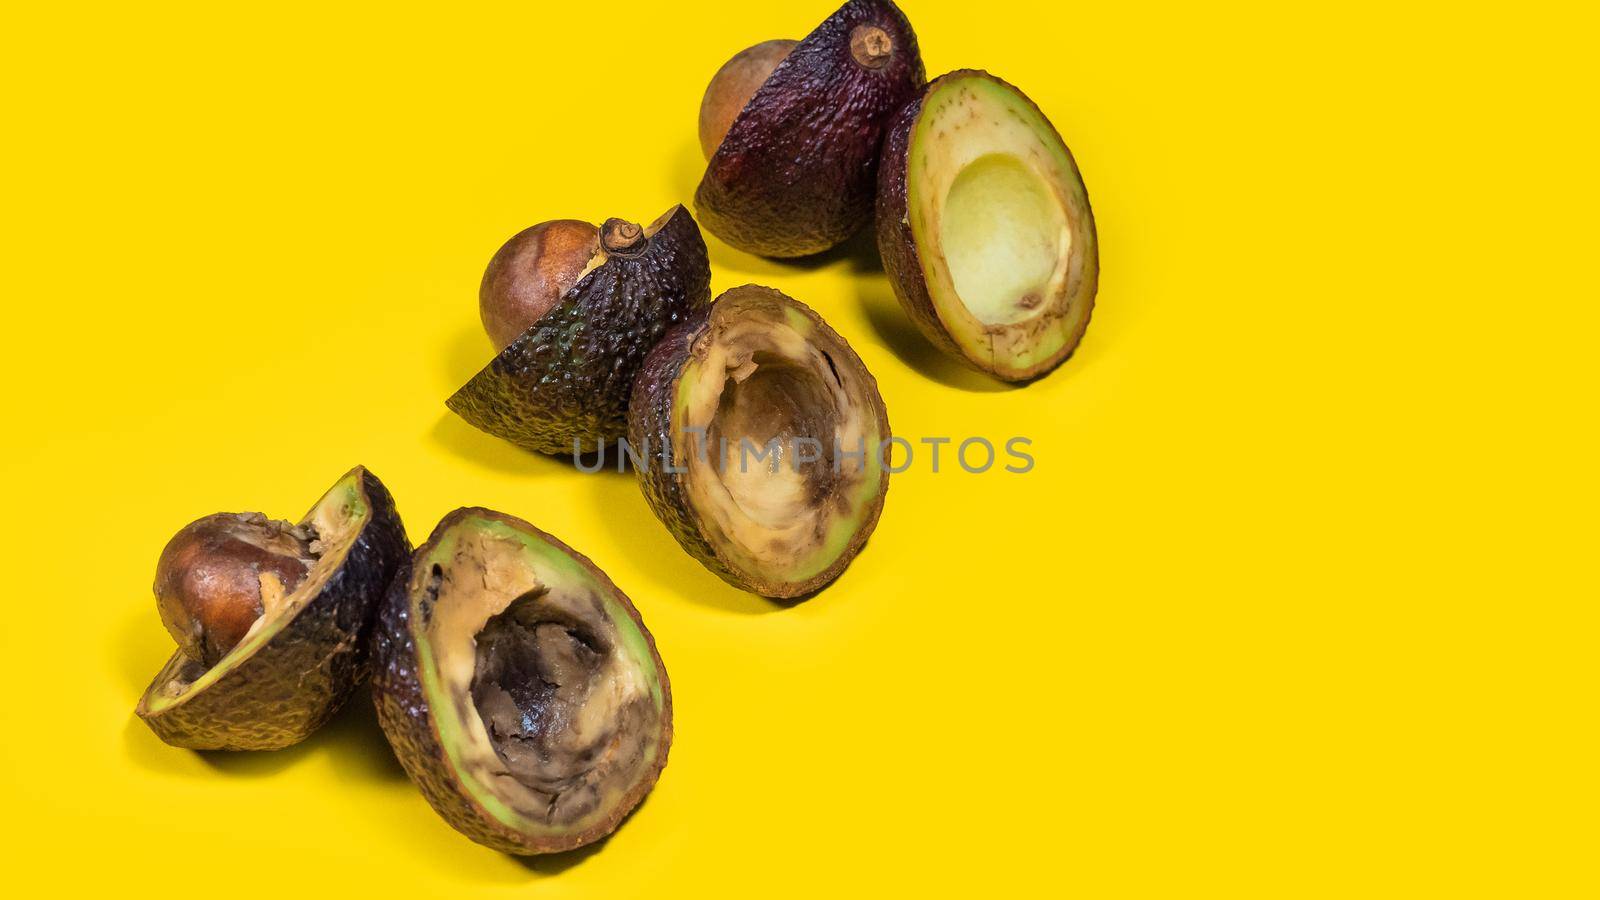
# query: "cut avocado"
[[985, 228], [794, 174], [564, 382], [716, 414], [299, 661], [518, 686]]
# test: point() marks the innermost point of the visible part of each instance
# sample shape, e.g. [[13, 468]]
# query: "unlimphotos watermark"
[[974, 455]]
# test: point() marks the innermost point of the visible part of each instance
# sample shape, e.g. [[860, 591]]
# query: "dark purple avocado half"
[[795, 174]]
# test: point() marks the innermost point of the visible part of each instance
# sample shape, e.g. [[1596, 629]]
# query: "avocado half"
[[755, 368], [984, 227], [518, 686], [794, 175], [564, 382], [301, 660]]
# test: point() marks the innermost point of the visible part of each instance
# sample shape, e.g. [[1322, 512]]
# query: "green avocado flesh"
[[336, 520], [547, 696], [779, 513], [1002, 226]]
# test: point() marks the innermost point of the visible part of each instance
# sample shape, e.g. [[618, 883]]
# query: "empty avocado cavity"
[[985, 228], [764, 430]]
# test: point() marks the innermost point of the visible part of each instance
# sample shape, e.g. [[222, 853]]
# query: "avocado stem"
[[871, 46], [618, 235]]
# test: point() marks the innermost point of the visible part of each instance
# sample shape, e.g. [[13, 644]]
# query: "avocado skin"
[[650, 425], [781, 186], [407, 721], [650, 431], [566, 379], [295, 682], [897, 247]]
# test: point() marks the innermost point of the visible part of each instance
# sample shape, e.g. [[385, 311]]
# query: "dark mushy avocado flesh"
[[518, 686], [318, 584]]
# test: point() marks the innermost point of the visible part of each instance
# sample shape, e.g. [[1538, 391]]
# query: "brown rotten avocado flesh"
[[776, 426], [986, 229], [317, 585], [546, 714]]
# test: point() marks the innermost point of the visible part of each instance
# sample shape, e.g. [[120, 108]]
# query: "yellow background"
[[1297, 602]]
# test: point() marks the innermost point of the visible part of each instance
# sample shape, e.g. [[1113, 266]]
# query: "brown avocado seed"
[[221, 573], [733, 86], [530, 274]]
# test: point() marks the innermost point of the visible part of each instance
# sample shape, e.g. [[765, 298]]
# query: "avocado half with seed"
[[518, 686], [794, 173], [761, 438], [564, 382], [298, 661], [985, 229]]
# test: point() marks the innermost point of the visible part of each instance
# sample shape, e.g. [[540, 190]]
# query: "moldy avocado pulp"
[[296, 663], [518, 686]]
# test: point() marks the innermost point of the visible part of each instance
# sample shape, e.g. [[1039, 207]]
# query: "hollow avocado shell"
[[655, 420], [275, 693], [794, 175], [408, 719], [903, 262], [566, 379]]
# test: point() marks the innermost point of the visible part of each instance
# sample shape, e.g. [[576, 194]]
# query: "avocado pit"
[[791, 131], [271, 618], [530, 274], [221, 574], [732, 87]]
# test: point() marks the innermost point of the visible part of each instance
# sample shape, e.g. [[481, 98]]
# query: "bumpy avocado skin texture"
[[898, 247], [651, 426], [294, 683], [567, 378], [407, 720], [794, 175]]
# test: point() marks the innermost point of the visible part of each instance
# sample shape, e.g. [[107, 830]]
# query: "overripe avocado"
[[794, 174], [565, 380], [720, 414], [518, 686], [299, 660], [985, 228]]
